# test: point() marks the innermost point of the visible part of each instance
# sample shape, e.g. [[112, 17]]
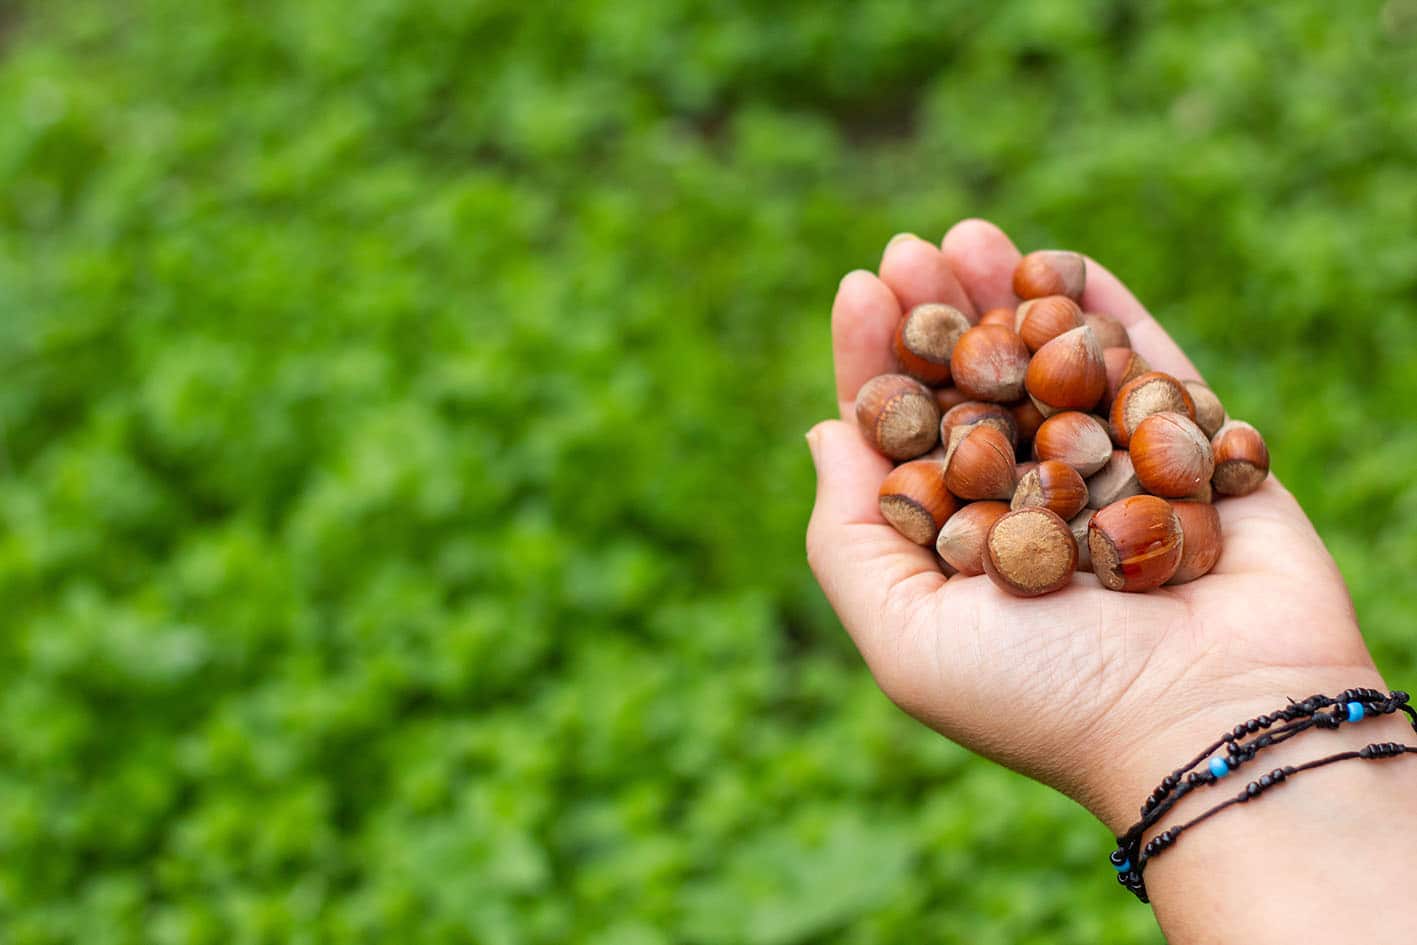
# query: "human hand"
[[1094, 692]]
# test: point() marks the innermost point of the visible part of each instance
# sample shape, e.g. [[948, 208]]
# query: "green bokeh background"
[[402, 483]]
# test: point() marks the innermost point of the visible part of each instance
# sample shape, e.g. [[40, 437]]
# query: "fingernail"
[[901, 236], [812, 444]]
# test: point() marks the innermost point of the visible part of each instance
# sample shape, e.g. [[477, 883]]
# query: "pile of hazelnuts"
[[1125, 460]]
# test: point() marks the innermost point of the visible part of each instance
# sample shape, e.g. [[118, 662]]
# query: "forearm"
[[1328, 853]]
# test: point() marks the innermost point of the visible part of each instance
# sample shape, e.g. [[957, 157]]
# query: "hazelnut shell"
[[1030, 552], [1135, 543], [913, 498], [898, 416]]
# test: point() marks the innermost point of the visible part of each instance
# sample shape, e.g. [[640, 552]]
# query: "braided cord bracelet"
[[1352, 705]]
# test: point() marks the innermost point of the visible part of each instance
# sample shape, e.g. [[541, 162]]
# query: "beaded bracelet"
[[1351, 705]]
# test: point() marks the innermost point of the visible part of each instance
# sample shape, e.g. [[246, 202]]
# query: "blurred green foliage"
[[401, 475]]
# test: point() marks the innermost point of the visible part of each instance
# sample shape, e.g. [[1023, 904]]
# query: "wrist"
[[1180, 727]]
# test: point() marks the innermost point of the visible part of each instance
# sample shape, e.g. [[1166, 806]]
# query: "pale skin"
[[1100, 694]]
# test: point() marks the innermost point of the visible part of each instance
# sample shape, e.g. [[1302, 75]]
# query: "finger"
[[864, 317], [983, 258], [917, 272], [1104, 292], [860, 561]]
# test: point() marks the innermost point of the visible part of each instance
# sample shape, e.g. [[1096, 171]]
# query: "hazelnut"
[[1172, 456], [1241, 459], [1135, 543], [1050, 272], [1067, 373], [1027, 419], [925, 338], [1051, 485], [998, 316], [1030, 552], [1039, 321], [1200, 545], [1113, 482], [1139, 398], [1110, 332], [989, 363], [961, 540], [914, 499], [947, 397], [898, 416], [1120, 365], [978, 411], [1078, 526], [1210, 414], [980, 464], [1078, 439]]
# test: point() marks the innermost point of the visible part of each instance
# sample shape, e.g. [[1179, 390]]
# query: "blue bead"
[[1355, 711], [1219, 767], [1123, 866]]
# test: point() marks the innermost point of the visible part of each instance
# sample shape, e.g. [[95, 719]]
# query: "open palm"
[[1057, 685]]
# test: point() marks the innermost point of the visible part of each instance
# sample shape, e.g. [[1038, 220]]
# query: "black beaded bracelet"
[[1351, 705]]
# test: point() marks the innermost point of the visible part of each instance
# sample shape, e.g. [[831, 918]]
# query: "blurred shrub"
[[401, 483]]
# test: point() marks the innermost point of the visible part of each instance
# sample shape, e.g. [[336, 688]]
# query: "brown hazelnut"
[[1110, 332], [1027, 419], [1135, 543], [1171, 455], [978, 411], [1039, 321], [998, 316], [1113, 482], [1241, 459], [947, 397], [914, 499], [1030, 552], [989, 363], [1139, 398], [1050, 272], [1078, 439], [1078, 526], [1210, 413], [1051, 485], [961, 540], [898, 416], [925, 338], [1067, 373], [980, 464], [1201, 544], [1120, 365]]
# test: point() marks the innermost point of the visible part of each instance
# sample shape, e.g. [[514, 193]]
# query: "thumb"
[[857, 558]]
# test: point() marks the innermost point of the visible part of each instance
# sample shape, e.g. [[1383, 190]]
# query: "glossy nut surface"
[[1201, 541], [1067, 373], [1039, 321], [979, 411], [1241, 459], [980, 464], [1051, 485], [1144, 395], [989, 363], [898, 416], [1050, 272], [1076, 438], [1135, 543], [1171, 455], [961, 541], [913, 498]]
